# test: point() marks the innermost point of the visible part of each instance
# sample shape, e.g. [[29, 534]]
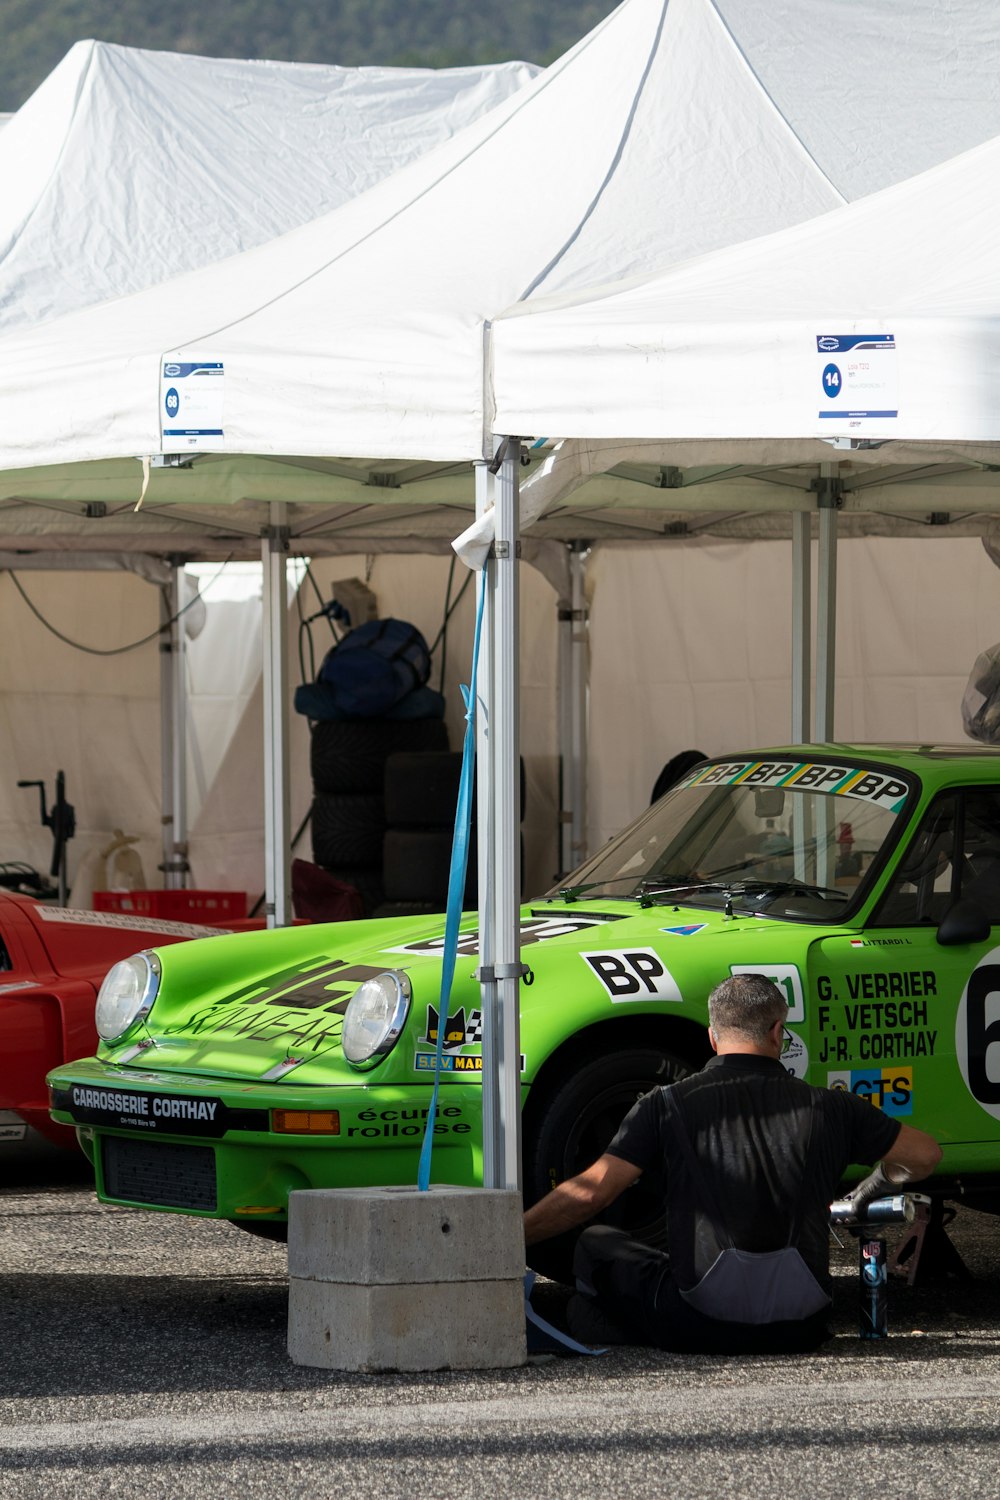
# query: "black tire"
[[347, 829], [421, 789], [263, 1229], [349, 755], [416, 863], [571, 1126], [406, 909]]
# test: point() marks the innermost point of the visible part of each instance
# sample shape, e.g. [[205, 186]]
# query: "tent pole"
[[579, 685], [277, 833], [504, 731], [826, 605], [167, 647], [173, 734], [493, 1174], [801, 623]]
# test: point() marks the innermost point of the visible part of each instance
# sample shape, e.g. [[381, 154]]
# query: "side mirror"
[[965, 922]]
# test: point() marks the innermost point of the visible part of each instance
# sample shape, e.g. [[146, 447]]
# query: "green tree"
[[351, 33]]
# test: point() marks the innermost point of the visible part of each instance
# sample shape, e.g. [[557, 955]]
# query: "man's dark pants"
[[632, 1285]]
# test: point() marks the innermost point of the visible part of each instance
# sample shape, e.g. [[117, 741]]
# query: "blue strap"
[[543, 1338], [456, 887]]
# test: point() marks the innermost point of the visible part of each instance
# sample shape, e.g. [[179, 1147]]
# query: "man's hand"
[[579, 1198], [876, 1185]]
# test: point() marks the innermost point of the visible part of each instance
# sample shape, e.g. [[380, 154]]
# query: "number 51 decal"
[[786, 977]]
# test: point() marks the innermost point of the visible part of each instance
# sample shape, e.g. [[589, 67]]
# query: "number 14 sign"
[[858, 379]]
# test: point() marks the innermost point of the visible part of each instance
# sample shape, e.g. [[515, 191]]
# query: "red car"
[[52, 962]]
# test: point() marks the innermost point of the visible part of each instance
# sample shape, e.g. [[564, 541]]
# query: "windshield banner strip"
[[864, 785]]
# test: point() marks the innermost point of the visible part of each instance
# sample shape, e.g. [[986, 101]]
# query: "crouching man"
[[749, 1159]]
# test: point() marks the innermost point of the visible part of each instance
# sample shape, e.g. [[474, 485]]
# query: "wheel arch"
[[685, 1038]]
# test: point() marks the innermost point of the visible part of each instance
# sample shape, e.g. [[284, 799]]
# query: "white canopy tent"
[[127, 166], [124, 167], [864, 342], [362, 334]]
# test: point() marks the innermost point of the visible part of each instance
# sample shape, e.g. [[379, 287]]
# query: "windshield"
[[778, 838]]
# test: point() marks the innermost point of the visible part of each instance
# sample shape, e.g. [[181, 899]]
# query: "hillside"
[[427, 33]]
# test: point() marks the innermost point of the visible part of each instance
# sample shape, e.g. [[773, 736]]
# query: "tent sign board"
[[191, 400], [858, 376]]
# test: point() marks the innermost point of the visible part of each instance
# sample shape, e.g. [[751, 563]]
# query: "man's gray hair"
[[746, 1005]]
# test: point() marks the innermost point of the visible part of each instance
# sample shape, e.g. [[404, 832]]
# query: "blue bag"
[[374, 666]]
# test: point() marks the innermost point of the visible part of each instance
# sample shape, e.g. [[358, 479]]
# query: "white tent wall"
[[705, 628], [98, 717], [95, 717]]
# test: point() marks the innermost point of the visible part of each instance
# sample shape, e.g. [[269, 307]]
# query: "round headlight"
[[374, 1017], [127, 994]]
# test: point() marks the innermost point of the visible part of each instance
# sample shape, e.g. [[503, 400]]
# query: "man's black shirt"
[[749, 1124]]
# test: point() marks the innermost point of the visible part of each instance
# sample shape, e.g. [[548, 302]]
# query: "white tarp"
[[128, 166], [362, 332]]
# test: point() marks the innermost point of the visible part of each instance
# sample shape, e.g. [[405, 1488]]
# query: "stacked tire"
[[348, 759], [421, 798]]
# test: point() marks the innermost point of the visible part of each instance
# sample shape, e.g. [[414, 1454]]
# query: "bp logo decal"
[[977, 1033], [633, 974]]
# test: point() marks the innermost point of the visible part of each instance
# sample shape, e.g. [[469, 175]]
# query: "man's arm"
[[579, 1198], [913, 1156]]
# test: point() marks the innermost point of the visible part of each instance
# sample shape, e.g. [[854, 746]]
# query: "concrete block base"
[[393, 1278], [469, 1325]]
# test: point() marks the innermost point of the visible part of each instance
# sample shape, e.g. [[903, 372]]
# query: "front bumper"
[[208, 1146]]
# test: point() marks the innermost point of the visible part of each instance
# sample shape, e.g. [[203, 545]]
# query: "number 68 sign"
[[977, 1033]]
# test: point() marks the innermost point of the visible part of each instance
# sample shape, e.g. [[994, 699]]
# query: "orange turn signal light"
[[305, 1121]]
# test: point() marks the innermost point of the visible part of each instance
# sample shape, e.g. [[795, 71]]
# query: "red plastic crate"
[[214, 908]]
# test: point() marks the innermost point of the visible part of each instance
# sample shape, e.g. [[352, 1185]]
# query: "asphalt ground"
[[144, 1355]]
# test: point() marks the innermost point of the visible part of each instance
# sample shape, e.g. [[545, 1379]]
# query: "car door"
[[906, 1012]]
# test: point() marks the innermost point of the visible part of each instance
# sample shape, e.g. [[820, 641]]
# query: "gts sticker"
[[633, 974]]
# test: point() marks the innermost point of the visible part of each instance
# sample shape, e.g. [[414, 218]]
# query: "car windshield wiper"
[[787, 887]]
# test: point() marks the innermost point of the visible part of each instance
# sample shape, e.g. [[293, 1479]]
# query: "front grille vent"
[[154, 1172]]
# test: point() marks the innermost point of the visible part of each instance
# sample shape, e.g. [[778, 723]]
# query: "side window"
[[979, 841], [5, 963], [922, 887], [954, 853]]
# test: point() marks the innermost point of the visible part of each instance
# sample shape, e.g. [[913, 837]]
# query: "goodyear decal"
[[534, 930], [630, 974], [889, 1089], [842, 780], [299, 1008]]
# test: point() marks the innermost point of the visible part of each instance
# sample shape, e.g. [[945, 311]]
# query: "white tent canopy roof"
[[734, 345], [127, 166], [362, 334]]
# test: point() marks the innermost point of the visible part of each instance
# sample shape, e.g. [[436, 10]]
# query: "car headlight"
[[127, 994], [374, 1017]]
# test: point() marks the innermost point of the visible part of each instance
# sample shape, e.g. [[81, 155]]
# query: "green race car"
[[864, 880]]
